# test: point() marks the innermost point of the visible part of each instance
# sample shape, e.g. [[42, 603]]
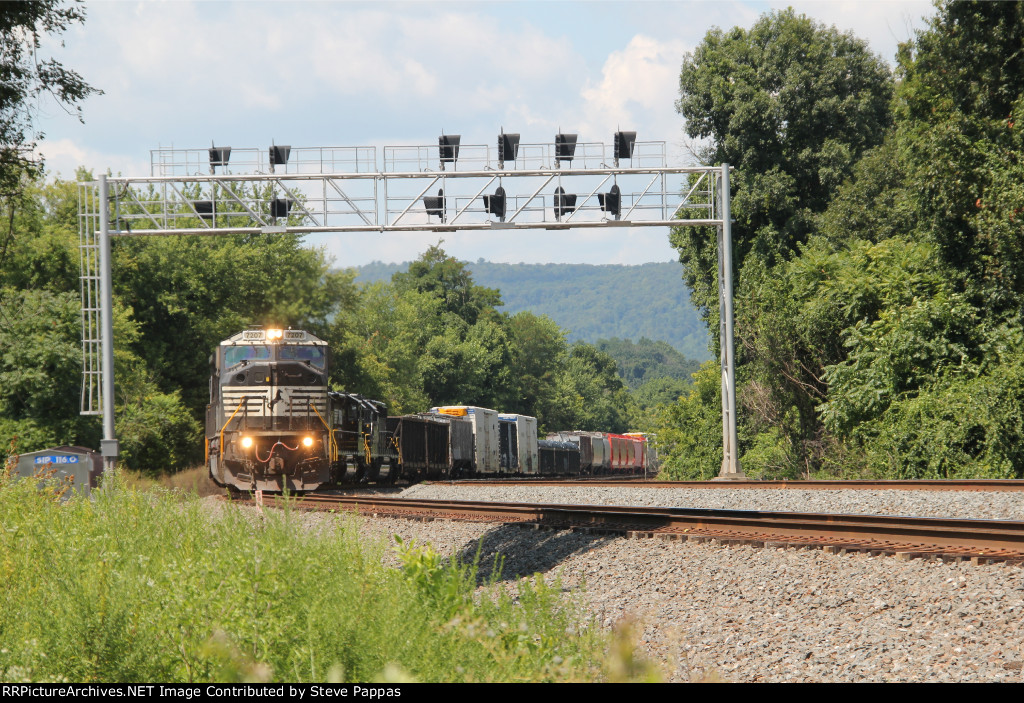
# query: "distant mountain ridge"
[[591, 301]]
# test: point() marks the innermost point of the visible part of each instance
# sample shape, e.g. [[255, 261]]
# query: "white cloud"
[[387, 74], [63, 157], [637, 90]]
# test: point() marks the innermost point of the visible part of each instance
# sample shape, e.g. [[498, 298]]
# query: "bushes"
[[147, 587]]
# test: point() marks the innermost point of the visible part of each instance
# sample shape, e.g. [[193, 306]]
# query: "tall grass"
[[146, 586]]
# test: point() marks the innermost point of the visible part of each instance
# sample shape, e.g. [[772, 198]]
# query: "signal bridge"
[[566, 184]]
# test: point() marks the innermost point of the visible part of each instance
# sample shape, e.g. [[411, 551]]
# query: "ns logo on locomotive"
[[272, 424]]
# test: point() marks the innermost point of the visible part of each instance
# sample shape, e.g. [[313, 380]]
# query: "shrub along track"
[[980, 541]]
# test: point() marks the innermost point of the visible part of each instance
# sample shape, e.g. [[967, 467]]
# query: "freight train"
[[273, 424]]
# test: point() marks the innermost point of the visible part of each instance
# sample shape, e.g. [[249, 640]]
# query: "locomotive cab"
[[267, 421]]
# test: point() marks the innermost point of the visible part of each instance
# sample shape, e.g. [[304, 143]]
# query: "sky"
[[185, 73]]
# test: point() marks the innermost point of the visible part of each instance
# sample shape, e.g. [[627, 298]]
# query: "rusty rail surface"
[[984, 540], [994, 484]]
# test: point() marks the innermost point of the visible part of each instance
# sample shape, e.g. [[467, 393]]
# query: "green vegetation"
[[139, 586], [878, 230], [28, 75], [431, 336], [879, 286], [591, 302], [644, 361]]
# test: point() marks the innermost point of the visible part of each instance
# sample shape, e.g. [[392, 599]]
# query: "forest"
[[877, 250], [429, 336], [592, 302], [877, 234]]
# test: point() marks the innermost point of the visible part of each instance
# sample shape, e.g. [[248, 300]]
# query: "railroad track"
[[925, 485], [981, 541]]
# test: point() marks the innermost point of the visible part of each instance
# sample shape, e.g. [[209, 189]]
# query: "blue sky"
[[349, 73]]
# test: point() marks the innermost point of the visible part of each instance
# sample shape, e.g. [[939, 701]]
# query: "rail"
[[979, 540]]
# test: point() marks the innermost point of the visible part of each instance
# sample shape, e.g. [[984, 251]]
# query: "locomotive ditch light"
[[495, 204], [247, 442], [624, 143], [611, 201], [565, 147], [219, 156], [279, 207], [564, 202], [448, 148], [435, 204], [508, 148]]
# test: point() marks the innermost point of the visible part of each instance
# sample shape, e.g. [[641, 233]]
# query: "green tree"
[[645, 360], [588, 393], [792, 105], [689, 431], [537, 347], [449, 279], [189, 293], [377, 345], [26, 78], [41, 371]]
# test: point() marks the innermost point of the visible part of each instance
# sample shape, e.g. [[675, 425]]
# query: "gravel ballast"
[[987, 505], [753, 614], [749, 614]]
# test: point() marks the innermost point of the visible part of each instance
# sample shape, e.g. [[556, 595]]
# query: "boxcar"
[[518, 443], [486, 459]]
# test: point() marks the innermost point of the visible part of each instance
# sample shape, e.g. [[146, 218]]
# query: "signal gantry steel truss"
[[344, 189], [449, 187]]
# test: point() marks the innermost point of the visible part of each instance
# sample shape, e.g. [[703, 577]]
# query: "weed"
[[137, 585]]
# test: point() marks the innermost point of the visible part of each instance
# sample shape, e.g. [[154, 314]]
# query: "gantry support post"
[[730, 449], [108, 445]]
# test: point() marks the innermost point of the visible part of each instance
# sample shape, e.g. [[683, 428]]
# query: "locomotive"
[[273, 424]]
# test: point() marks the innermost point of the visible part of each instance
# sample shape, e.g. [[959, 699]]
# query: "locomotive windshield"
[[314, 355], [249, 352]]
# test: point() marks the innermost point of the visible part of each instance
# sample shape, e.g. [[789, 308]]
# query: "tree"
[[189, 293], [24, 77], [589, 395], [792, 105], [537, 347], [689, 431], [448, 278]]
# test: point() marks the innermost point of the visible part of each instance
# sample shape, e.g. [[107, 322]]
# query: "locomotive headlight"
[[307, 442], [247, 442], [275, 334]]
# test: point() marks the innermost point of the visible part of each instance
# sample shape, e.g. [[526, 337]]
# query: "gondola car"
[[594, 448], [432, 446], [558, 458]]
